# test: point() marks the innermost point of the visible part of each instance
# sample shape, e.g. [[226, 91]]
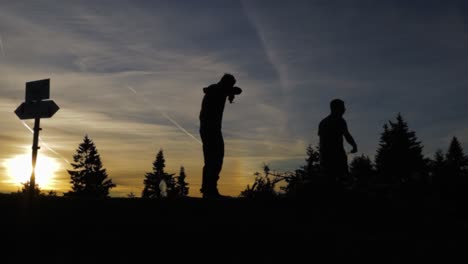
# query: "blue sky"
[[290, 57]]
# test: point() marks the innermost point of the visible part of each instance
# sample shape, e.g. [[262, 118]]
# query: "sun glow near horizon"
[[19, 170]]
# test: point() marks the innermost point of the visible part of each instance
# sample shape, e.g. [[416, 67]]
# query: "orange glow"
[[19, 170]]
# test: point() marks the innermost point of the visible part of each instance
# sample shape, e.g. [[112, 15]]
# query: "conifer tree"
[[304, 178], [181, 185], [456, 172], [88, 177], [457, 162], [153, 179], [399, 158]]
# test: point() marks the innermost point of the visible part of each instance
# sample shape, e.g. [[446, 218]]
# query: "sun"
[[19, 170]]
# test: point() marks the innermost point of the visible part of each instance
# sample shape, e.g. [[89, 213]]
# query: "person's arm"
[[228, 91], [231, 92], [350, 139], [235, 90]]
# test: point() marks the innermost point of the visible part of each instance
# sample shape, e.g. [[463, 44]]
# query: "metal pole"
[[35, 147]]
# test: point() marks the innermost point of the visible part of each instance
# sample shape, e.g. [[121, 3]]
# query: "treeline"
[[89, 178], [399, 170]]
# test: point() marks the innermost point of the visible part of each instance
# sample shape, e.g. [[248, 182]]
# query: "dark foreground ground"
[[191, 230]]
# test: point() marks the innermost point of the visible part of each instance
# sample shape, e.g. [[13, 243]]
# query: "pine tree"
[[88, 177], [302, 180], [399, 158], [153, 179], [170, 184], [457, 162], [456, 172], [181, 185]]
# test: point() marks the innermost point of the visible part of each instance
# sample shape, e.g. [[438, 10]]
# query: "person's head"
[[227, 80], [337, 107]]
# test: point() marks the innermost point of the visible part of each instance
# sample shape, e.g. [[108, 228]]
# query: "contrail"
[[1, 46], [45, 144], [168, 118]]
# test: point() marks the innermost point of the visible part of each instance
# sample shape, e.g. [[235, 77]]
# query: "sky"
[[130, 75]]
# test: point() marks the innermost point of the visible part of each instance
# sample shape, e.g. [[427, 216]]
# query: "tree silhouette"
[[312, 167], [181, 185], [170, 181], [301, 183], [456, 160], [24, 191], [456, 172], [26, 187], [264, 185], [362, 172], [306, 177], [51, 193], [88, 177], [153, 179], [399, 158]]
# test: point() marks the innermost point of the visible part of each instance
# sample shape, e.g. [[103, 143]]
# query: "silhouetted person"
[[211, 116], [333, 158]]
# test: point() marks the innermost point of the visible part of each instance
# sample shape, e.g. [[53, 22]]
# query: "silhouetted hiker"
[[333, 158], [211, 116]]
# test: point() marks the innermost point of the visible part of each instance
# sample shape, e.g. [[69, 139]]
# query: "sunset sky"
[[124, 72]]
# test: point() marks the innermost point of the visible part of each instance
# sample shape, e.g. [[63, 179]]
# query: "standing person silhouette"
[[333, 158], [211, 116]]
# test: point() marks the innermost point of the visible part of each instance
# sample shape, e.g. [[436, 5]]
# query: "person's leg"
[[207, 157], [213, 153], [218, 158], [205, 168]]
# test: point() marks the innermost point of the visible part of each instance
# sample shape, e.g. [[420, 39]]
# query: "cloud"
[[89, 80], [381, 58], [290, 59]]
